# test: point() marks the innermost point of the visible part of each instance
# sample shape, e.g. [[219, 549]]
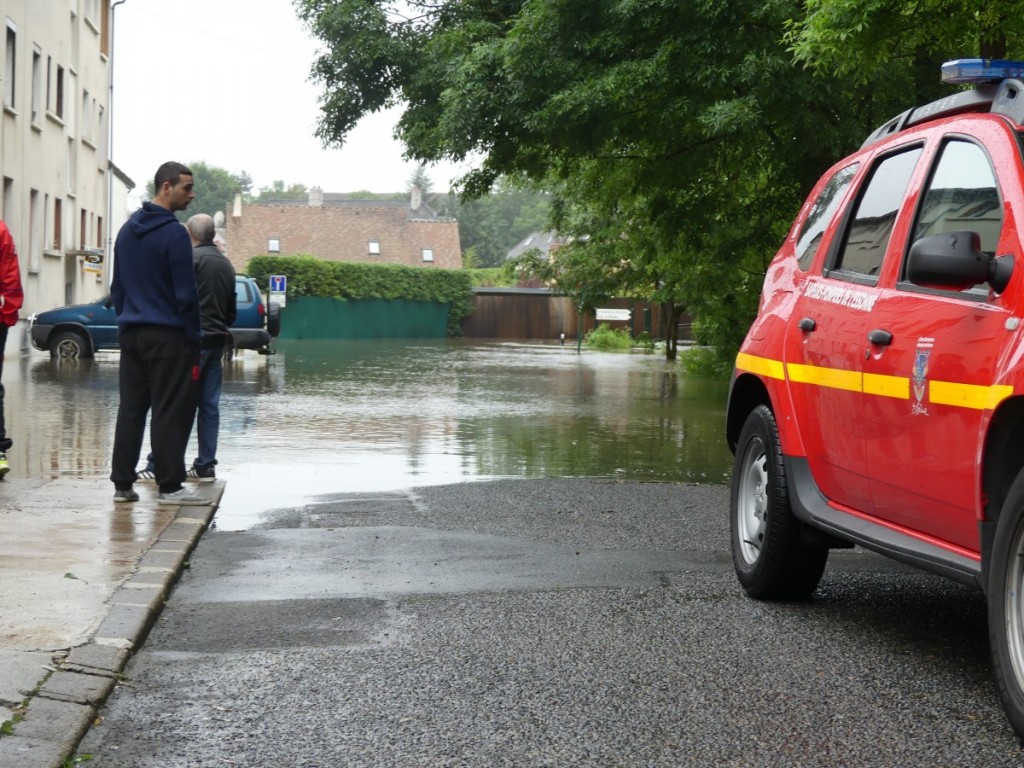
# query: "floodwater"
[[328, 417]]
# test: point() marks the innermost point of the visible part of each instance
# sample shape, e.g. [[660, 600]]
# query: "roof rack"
[[1006, 98]]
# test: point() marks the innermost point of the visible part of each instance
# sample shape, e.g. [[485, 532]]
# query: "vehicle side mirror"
[[955, 260]]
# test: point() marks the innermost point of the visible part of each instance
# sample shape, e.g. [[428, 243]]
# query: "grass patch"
[[704, 363], [609, 339]]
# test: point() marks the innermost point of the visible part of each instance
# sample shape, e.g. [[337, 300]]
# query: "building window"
[[36, 224], [105, 28], [374, 247], [74, 40], [72, 116], [428, 254], [8, 199], [47, 223], [101, 127], [58, 97], [274, 245], [99, 231], [86, 117], [83, 228], [58, 224], [10, 75], [72, 168], [37, 84]]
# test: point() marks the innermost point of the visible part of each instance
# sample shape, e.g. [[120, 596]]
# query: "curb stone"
[[65, 702]]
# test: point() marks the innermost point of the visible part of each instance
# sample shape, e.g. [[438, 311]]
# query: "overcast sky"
[[227, 82]]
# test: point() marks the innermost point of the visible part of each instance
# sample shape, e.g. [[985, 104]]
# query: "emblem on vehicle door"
[[919, 376]]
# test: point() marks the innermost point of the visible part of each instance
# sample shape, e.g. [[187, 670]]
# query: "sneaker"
[[146, 476], [125, 496], [202, 474], [5, 467], [183, 497]]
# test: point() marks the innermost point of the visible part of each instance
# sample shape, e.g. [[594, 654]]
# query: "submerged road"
[[545, 623]]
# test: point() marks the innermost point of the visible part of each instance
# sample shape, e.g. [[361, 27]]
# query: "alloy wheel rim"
[[67, 349], [1015, 606], [752, 502]]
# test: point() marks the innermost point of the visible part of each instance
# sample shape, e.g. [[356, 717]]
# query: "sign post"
[[278, 289]]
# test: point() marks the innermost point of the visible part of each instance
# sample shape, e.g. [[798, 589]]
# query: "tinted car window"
[[867, 235], [821, 214], [243, 294], [962, 194]]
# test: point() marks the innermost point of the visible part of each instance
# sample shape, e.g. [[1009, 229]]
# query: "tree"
[[215, 189], [678, 138], [493, 224], [421, 180], [877, 39], [278, 190]]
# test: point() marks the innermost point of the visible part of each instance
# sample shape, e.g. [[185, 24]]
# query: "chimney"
[[415, 198], [316, 197], [236, 208]]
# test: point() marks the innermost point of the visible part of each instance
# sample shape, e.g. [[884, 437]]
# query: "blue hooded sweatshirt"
[[154, 282]]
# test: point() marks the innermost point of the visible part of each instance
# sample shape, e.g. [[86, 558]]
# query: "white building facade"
[[57, 177]]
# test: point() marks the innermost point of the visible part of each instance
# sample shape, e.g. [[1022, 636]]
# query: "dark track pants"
[[5, 441], [159, 371]]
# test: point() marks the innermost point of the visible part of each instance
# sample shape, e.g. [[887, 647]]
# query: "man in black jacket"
[[154, 294], [215, 281]]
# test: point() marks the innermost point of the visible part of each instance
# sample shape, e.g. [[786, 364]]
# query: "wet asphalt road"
[[545, 623]]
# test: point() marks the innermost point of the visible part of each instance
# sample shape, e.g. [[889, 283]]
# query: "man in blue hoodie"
[[154, 294]]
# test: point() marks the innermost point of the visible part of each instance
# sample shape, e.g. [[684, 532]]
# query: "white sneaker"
[[183, 497]]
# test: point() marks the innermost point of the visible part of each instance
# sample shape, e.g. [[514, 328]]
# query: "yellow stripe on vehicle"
[[834, 378], [763, 366], [967, 395], [974, 396], [887, 386]]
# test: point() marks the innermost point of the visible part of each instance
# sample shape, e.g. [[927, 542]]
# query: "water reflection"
[[331, 416]]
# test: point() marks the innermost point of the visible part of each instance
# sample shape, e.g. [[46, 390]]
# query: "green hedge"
[[309, 276]]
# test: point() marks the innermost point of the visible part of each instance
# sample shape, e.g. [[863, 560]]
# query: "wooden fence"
[[538, 314]]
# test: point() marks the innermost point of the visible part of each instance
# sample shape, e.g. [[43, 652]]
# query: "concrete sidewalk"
[[81, 582]]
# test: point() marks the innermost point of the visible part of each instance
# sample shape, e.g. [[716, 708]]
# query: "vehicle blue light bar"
[[981, 70]]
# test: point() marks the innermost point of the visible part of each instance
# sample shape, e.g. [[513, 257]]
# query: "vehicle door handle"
[[880, 337], [807, 324]]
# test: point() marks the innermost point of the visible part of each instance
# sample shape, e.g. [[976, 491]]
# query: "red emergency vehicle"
[[878, 399]]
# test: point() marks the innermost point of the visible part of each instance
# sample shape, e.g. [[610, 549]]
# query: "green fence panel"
[[310, 317]]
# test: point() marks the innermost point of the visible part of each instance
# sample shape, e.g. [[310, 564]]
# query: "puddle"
[[324, 417]]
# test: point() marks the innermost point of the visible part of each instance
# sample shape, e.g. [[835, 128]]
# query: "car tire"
[[1006, 605], [771, 559], [273, 319], [70, 344]]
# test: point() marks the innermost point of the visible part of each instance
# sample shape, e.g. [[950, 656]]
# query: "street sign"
[[278, 289], [613, 314]]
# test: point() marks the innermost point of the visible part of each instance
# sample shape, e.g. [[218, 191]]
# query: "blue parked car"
[[84, 329]]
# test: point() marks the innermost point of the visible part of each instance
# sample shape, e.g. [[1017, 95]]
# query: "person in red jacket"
[[11, 297]]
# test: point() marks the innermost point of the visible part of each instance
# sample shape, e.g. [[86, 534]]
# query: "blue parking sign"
[[278, 283]]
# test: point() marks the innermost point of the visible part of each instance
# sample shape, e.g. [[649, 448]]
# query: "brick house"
[[336, 227]]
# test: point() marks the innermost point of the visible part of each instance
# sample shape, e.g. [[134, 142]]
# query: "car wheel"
[[273, 319], [69, 344], [771, 559], [1006, 605]]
